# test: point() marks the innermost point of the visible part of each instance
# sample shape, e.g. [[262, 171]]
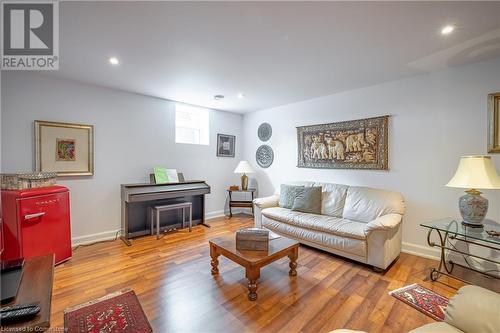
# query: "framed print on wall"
[[225, 145], [493, 123], [65, 148]]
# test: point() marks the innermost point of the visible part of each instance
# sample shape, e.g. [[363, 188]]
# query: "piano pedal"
[[165, 232]]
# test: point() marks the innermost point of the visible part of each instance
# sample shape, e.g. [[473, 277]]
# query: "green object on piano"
[[161, 175], [164, 175]]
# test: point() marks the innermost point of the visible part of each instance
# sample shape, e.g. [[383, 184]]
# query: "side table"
[[240, 203], [450, 229]]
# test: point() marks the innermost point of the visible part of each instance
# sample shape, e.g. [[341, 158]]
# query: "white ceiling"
[[273, 52]]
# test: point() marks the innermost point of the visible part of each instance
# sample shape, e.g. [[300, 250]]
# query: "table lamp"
[[244, 167], [474, 172]]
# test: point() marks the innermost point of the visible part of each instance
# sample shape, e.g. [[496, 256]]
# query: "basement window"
[[191, 125]]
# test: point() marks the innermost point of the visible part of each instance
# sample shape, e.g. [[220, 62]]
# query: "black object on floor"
[[18, 312], [10, 280]]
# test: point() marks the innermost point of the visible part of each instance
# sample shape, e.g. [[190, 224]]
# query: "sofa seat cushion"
[[347, 247], [327, 224]]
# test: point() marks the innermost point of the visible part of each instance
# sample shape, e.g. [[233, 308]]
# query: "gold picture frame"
[[493, 123], [64, 148]]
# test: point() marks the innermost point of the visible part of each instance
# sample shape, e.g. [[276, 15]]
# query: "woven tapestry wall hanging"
[[355, 144]]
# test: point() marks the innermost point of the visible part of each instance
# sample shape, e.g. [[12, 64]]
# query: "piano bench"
[[156, 210]]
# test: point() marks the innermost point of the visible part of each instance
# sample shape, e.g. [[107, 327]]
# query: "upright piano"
[[137, 198]]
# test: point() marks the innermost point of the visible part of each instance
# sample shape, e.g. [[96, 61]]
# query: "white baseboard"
[[222, 213], [421, 251], [214, 215], [101, 236], [111, 234]]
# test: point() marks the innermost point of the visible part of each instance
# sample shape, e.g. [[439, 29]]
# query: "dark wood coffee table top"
[[35, 287], [253, 261], [278, 248]]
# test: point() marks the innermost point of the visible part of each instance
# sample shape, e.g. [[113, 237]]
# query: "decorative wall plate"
[[264, 156], [265, 131]]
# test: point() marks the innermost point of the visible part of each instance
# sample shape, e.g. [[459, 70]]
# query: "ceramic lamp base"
[[244, 182], [473, 208]]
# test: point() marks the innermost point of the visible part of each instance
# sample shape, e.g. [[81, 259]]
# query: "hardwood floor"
[[172, 280]]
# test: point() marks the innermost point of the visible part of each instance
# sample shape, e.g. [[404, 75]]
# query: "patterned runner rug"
[[422, 299], [116, 312]]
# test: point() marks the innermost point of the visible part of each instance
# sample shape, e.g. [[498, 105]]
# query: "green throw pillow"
[[288, 194], [308, 200]]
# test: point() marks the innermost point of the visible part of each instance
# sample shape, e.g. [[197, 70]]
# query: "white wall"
[[133, 133], [435, 118]]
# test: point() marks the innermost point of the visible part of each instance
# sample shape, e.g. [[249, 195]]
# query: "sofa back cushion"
[[288, 194], [333, 199], [365, 204], [308, 201]]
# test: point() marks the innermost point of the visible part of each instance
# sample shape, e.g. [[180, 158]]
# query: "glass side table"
[[449, 229]]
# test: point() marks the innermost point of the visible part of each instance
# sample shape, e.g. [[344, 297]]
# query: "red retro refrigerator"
[[36, 222]]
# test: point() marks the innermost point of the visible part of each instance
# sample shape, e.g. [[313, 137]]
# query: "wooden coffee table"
[[253, 261]]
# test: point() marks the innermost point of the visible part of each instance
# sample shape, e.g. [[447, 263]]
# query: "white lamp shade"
[[475, 172], [243, 167]]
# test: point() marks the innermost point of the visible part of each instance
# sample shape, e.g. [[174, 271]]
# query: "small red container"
[[36, 222]]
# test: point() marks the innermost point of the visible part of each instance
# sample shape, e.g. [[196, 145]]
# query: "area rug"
[[422, 299], [116, 312]]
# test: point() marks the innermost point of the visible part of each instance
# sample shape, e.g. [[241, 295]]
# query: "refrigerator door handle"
[[33, 216]]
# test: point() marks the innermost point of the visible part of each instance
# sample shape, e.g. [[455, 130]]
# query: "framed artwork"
[[493, 123], [225, 145], [67, 149], [355, 144]]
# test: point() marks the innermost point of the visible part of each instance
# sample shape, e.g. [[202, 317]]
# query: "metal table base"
[[447, 265]]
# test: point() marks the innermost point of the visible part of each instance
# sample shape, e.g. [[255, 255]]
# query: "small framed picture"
[[225, 145], [67, 149]]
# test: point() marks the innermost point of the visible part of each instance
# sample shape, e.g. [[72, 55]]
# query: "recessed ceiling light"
[[218, 97], [241, 95], [447, 29], [114, 61]]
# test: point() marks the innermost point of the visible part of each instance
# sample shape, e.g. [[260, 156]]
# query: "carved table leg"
[[215, 263], [293, 255], [252, 274]]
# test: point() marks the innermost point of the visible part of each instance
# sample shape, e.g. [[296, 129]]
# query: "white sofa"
[[472, 310], [359, 223]]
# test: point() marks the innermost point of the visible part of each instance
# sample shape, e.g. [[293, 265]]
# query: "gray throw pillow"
[[308, 201], [288, 194]]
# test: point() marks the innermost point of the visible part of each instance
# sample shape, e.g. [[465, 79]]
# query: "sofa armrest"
[[262, 203], [474, 309], [384, 222], [266, 202]]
